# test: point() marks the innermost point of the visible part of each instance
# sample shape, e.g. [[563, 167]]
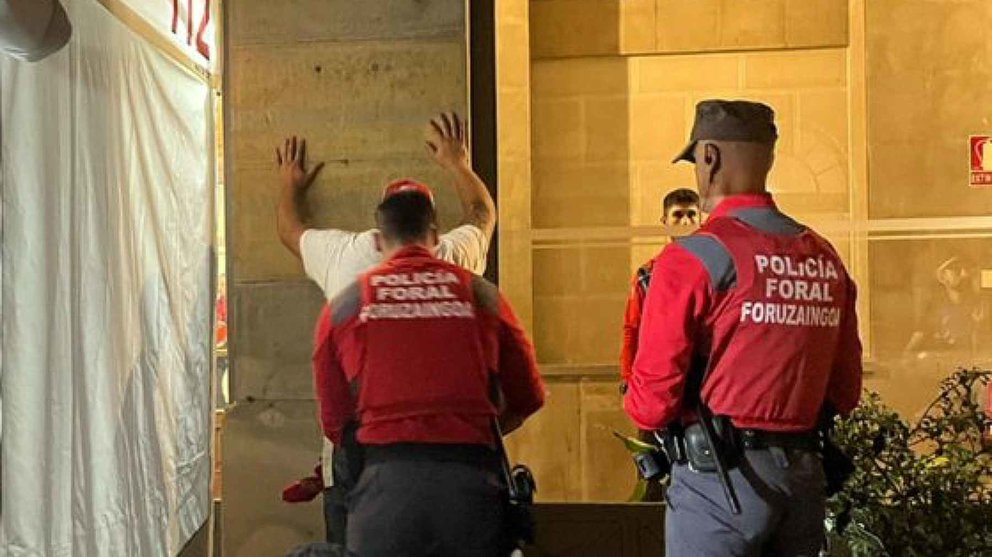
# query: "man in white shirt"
[[334, 258]]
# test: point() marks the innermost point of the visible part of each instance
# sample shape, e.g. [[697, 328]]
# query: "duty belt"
[[732, 438], [756, 439], [472, 454]]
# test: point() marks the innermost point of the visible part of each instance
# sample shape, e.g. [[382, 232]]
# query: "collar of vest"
[[734, 203], [409, 252]]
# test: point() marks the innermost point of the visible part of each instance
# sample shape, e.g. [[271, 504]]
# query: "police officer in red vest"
[[424, 355], [748, 334]]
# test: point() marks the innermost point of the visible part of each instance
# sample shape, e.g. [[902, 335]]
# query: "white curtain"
[[106, 297]]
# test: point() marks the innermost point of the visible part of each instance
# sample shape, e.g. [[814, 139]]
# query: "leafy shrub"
[[921, 489]]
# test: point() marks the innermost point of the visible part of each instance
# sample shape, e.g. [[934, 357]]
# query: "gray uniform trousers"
[[782, 497], [425, 509]]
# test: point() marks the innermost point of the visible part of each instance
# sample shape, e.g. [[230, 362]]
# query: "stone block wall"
[[929, 73], [570, 28]]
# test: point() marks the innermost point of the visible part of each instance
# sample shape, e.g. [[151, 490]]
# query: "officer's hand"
[[292, 161], [446, 141]]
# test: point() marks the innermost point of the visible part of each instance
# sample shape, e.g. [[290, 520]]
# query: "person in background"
[[679, 209], [955, 319], [333, 258], [423, 357]]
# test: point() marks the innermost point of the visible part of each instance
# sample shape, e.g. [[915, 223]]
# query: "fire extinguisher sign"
[[981, 161]]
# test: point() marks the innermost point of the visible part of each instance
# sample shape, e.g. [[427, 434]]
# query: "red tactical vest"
[[424, 354], [775, 332]]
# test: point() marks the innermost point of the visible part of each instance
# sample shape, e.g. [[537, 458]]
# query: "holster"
[[698, 454], [519, 523], [688, 445]]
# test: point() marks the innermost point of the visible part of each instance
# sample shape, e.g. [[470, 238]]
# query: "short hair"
[[681, 196], [405, 217]]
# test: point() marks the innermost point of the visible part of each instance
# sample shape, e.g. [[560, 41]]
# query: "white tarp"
[[106, 297]]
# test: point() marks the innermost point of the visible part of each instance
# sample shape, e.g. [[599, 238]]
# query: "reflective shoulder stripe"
[[346, 304], [769, 220], [486, 294], [715, 258]]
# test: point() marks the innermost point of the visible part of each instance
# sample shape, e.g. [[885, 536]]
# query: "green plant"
[[921, 489]]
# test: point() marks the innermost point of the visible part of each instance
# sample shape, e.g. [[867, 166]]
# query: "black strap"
[[496, 396], [706, 420], [504, 459]]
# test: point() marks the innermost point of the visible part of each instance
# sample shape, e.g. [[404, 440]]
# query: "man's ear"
[[711, 154], [377, 236], [712, 157], [433, 236]]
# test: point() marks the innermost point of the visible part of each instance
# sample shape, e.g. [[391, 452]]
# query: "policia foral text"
[[423, 355], [748, 337]]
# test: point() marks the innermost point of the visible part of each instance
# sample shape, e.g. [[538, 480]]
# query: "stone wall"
[[928, 69], [607, 27]]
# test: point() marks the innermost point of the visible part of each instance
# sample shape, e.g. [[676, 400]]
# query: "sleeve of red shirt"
[[676, 304], [330, 382], [519, 377], [631, 327], [844, 389]]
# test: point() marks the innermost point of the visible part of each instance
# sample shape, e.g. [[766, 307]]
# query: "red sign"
[[981, 161]]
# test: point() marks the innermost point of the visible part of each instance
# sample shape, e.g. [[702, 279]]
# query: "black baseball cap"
[[719, 120]]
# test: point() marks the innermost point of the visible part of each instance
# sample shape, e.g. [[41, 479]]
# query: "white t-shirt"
[[335, 258]]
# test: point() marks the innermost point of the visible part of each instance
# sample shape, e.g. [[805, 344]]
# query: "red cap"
[[405, 185]]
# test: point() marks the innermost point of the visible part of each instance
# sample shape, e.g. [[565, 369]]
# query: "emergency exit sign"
[[981, 161]]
